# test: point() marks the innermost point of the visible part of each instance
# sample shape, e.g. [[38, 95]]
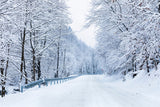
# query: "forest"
[[38, 42], [127, 35]]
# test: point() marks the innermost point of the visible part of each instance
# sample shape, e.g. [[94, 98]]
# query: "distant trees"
[[128, 34]]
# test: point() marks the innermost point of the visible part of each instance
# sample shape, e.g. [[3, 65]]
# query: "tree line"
[[128, 34], [37, 42]]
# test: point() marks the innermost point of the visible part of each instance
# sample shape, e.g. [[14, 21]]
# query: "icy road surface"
[[85, 91]]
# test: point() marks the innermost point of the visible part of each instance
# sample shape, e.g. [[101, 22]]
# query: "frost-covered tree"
[[128, 34], [6, 36], [35, 41]]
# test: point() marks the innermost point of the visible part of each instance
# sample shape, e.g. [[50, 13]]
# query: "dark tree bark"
[[5, 72], [147, 65], [2, 78], [39, 68], [25, 73], [23, 37], [134, 66], [147, 60]]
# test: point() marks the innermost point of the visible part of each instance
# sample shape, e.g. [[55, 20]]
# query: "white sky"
[[79, 11]]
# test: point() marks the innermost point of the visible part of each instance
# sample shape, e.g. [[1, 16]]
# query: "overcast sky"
[[79, 11]]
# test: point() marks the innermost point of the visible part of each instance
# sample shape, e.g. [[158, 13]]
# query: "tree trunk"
[[32, 41], [147, 65], [33, 59], [39, 59], [25, 73], [23, 36], [39, 68], [134, 65], [5, 73], [2, 79], [58, 51], [57, 72], [33, 66], [64, 63]]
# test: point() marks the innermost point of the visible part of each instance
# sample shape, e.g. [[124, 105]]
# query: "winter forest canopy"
[[37, 42], [127, 35]]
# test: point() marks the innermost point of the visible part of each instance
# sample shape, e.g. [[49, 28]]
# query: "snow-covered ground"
[[88, 91]]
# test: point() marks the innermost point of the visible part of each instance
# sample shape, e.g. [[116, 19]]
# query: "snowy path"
[[85, 91]]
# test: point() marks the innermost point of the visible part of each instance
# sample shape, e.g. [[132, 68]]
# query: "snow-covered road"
[[85, 91]]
